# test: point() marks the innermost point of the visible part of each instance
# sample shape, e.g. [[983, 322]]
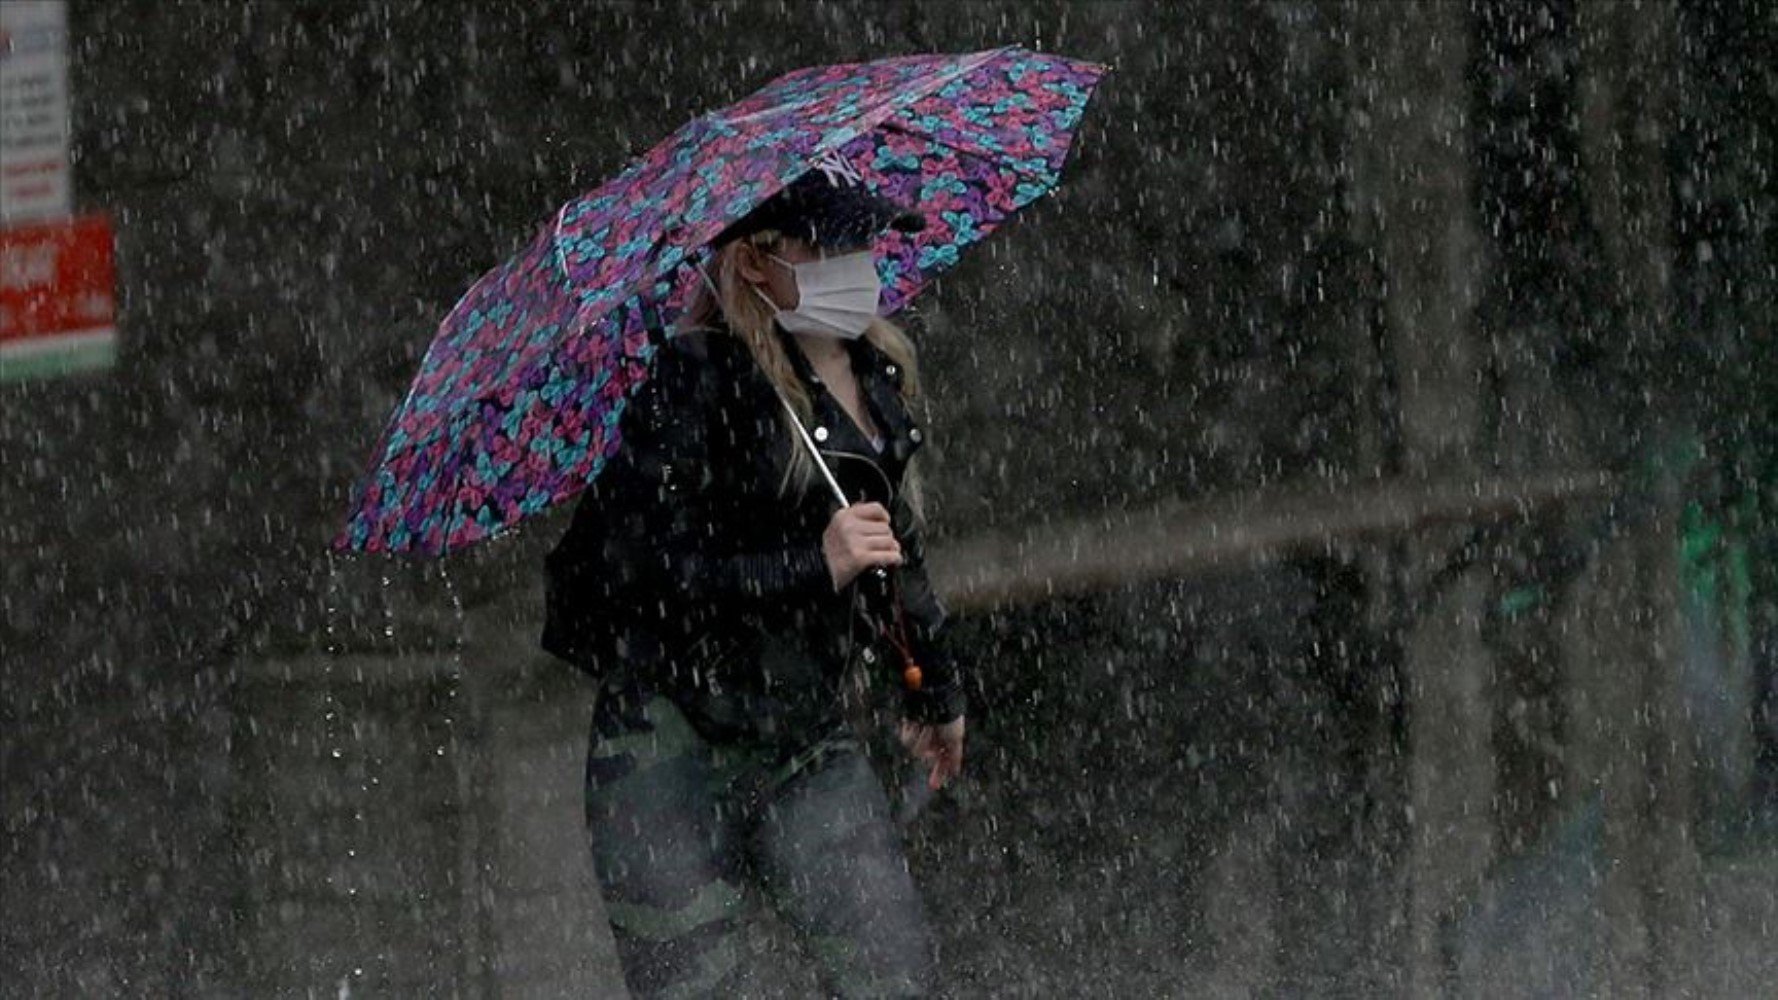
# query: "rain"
[[1353, 488]]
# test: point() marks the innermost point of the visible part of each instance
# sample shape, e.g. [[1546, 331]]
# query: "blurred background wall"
[[1403, 371]]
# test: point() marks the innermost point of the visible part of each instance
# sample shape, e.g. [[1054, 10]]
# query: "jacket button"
[[869, 654], [914, 435], [890, 369], [821, 434]]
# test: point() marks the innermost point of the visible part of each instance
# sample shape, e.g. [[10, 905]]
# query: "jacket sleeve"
[[941, 697]]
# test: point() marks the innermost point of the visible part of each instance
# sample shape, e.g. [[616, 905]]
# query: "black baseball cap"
[[828, 205]]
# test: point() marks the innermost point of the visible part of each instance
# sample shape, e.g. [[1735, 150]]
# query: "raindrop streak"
[[330, 727], [334, 739], [388, 611], [463, 722]]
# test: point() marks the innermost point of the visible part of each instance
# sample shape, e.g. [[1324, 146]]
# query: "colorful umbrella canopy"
[[517, 403]]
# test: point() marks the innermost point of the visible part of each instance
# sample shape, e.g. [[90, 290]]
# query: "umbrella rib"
[[947, 75], [557, 252]]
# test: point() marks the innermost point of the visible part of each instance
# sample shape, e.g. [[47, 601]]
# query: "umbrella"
[[517, 403]]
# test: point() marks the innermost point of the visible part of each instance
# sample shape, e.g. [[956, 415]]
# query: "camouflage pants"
[[683, 830]]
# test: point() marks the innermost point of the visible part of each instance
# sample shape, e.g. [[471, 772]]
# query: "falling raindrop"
[[387, 606]]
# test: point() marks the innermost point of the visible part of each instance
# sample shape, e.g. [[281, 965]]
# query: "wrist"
[[935, 706]]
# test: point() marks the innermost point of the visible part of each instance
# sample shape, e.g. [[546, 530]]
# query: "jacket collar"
[[880, 378]]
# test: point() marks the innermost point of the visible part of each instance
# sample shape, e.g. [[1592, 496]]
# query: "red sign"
[[57, 296], [56, 277]]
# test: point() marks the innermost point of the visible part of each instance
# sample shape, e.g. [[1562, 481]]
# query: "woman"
[[723, 597]]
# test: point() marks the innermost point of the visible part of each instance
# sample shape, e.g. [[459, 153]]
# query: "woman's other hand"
[[858, 538], [939, 745]]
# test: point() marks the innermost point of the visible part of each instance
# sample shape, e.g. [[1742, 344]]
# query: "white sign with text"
[[34, 182]]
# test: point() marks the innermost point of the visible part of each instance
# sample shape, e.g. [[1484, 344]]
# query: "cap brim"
[[906, 220], [866, 223], [836, 220], [883, 216]]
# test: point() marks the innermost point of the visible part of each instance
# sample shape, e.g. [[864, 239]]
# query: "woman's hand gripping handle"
[[858, 537]]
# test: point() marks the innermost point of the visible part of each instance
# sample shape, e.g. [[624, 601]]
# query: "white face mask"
[[836, 296]]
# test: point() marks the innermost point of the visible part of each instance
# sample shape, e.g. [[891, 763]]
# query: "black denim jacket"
[[685, 568]]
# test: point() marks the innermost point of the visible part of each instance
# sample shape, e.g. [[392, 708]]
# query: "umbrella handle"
[[814, 452]]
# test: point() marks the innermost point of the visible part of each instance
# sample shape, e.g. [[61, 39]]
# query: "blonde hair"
[[745, 314]]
